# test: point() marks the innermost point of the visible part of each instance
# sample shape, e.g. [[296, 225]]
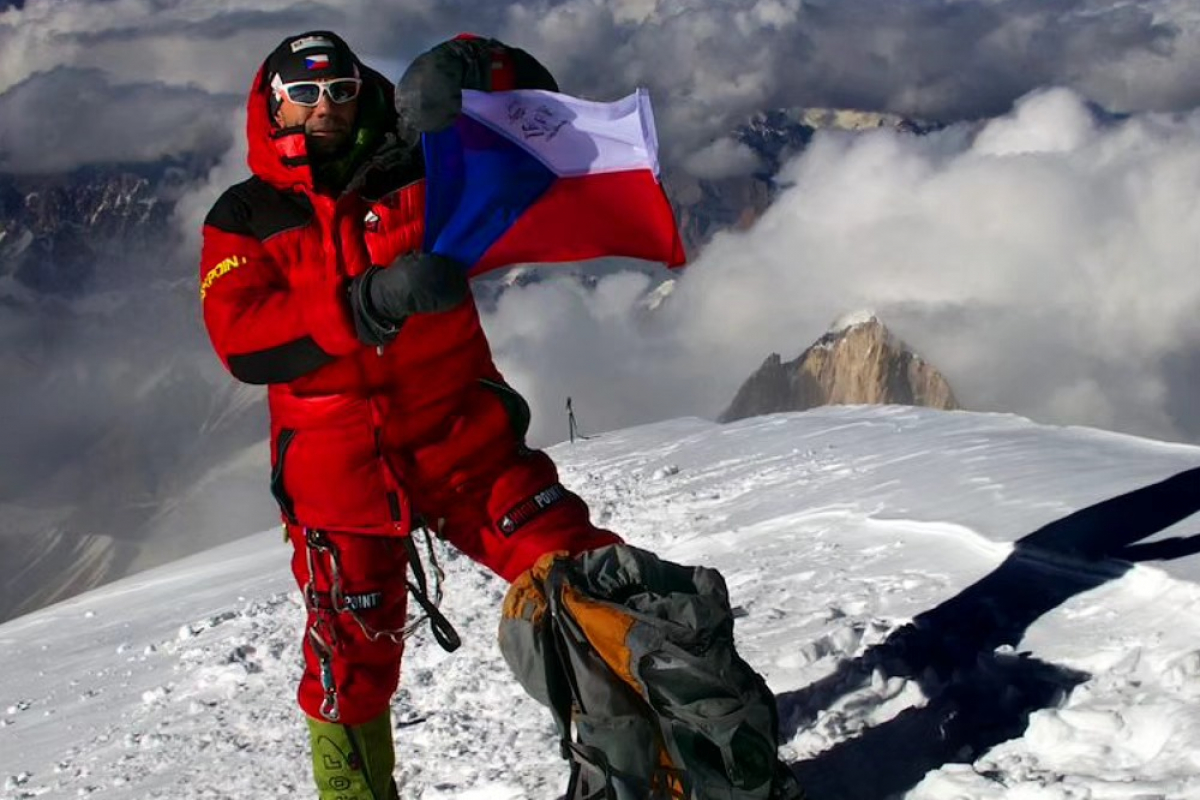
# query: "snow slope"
[[1049, 574]]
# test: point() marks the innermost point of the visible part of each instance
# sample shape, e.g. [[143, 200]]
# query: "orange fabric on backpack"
[[607, 630]]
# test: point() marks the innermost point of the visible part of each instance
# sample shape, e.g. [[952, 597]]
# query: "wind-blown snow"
[[859, 317], [1053, 659]]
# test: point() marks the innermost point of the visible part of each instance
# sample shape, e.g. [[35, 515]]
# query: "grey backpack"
[[636, 655]]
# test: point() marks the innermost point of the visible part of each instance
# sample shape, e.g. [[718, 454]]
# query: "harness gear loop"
[[445, 634]]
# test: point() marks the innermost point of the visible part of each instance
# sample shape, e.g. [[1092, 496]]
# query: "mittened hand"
[[419, 284], [381, 299], [429, 94]]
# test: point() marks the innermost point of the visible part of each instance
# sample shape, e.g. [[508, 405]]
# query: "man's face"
[[328, 126]]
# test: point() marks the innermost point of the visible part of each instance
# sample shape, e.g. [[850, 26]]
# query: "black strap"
[[560, 680], [560, 677], [565, 693], [443, 631]]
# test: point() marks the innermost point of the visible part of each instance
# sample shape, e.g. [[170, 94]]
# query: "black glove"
[[429, 94], [382, 298]]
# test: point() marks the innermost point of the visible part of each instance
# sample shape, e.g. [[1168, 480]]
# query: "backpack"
[[636, 655]]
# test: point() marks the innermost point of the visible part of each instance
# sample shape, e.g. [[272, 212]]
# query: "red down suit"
[[364, 440]]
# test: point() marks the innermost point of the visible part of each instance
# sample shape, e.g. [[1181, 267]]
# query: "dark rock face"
[[66, 235], [858, 364]]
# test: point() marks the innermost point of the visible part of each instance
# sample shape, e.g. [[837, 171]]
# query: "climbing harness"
[[322, 555]]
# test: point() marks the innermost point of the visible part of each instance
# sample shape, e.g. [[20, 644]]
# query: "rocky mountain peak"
[[857, 361]]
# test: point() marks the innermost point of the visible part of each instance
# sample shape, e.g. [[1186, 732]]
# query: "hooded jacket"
[[356, 432]]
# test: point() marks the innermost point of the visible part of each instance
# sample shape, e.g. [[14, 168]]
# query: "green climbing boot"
[[354, 762]]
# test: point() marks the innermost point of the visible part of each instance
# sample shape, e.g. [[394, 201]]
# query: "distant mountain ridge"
[[66, 234], [95, 288], [704, 207], [858, 361], [60, 233]]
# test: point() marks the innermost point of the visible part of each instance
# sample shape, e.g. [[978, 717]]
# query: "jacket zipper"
[[286, 505]]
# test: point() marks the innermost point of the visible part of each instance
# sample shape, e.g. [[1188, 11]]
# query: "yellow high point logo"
[[222, 268]]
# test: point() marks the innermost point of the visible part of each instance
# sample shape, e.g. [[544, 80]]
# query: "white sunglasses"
[[308, 93]]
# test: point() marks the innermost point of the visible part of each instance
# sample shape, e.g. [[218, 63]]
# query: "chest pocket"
[[395, 225]]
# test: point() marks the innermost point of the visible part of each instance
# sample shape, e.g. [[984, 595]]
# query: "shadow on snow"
[[977, 697]]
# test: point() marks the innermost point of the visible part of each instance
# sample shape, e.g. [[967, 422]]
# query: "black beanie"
[[315, 55]]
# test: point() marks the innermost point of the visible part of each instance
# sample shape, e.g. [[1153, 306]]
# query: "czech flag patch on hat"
[[310, 56], [534, 176]]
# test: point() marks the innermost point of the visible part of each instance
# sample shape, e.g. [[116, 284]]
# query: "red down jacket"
[[361, 439]]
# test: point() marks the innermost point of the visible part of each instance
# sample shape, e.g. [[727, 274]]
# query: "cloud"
[[709, 64], [1044, 261], [557, 339], [724, 158], [58, 120], [193, 206]]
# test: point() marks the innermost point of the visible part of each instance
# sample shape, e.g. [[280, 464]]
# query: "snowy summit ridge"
[[863, 316], [975, 605]]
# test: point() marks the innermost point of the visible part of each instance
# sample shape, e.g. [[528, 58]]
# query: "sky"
[[1056, 570], [1063, 227], [1039, 250]]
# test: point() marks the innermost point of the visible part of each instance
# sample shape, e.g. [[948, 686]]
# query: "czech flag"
[[533, 176]]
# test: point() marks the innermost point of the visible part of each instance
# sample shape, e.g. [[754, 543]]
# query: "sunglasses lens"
[[304, 94], [342, 91]]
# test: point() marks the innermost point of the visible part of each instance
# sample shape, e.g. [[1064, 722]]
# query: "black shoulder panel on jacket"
[[255, 208], [279, 364]]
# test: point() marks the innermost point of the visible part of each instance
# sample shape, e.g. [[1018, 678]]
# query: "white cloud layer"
[[58, 120], [709, 64], [1044, 261]]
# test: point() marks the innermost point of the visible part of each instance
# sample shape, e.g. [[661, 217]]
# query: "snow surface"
[[851, 319], [1042, 667]]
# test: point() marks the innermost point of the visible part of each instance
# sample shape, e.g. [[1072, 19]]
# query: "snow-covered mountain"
[[857, 361], [948, 605]]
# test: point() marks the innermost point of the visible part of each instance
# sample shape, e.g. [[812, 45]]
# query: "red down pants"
[[355, 585]]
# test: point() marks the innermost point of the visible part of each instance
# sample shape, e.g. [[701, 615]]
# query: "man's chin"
[[327, 145]]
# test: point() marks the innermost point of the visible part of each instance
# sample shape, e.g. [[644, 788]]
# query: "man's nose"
[[324, 104]]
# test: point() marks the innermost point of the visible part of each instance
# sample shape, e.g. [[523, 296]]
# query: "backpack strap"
[[565, 637]]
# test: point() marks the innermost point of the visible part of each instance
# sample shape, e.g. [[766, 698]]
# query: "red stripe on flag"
[[590, 216]]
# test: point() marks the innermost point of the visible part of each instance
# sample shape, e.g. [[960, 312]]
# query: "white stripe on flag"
[[572, 136]]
